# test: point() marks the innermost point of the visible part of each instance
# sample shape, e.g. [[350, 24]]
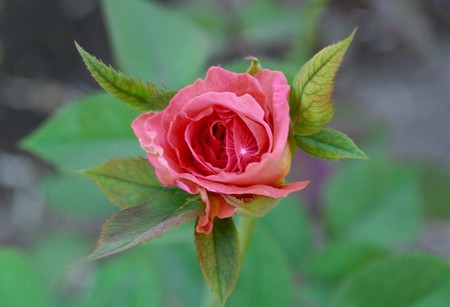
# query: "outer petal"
[[276, 89], [145, 137], [219, 80], [149, 131]]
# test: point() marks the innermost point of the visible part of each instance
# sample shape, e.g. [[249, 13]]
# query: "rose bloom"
[[225, 135]]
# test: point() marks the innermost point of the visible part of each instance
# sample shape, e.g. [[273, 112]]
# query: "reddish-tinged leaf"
[[135, 225]]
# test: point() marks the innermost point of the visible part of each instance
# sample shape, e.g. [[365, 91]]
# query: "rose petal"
[[276, 89], [225, 135]]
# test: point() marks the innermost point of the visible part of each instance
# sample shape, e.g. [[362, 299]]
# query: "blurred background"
[[392, 96]]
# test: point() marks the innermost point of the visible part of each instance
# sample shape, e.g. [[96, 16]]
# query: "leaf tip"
[[352, 35], [347, 41], [86, 172], [80, 49], [363, 156]]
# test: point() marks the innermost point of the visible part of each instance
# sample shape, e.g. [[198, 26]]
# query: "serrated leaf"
[[139, 95], [219, 258], [85, 133], [311, 105], [132, 226], [329, 144], [408, 280], [128, 182], [257, 207]]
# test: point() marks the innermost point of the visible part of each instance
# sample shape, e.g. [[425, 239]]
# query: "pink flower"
[[225, 135]]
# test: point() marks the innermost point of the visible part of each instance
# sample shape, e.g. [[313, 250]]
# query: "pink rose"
[[225, 135]]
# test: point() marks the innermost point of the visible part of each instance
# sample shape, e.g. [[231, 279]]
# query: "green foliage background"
[[360, 249]]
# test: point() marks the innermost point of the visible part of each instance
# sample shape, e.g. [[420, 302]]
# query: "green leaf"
[[219, 258], [313, 294], [376, 202], [85, 133], [267, 23], [154, 43], [180, 268], [132, 279], [132, 226], [74, 194], [398, 281], [329, 144], [311, 105], [439, 297], [435, 192], [340, 260], [308, 23], [139, 95], [290, 226], [51, 256], [266, 279], [256, 207], [20, 284], [128, 182]]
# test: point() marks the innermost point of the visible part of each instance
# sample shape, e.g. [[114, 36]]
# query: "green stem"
[[246, 228]]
